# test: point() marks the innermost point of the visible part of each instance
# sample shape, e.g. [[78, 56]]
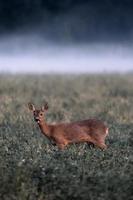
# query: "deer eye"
[[41, 114]]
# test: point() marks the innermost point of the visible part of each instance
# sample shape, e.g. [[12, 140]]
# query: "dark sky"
[[69, 20], [66, 35]]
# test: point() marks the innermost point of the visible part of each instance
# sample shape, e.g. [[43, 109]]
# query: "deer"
[[91, 131]]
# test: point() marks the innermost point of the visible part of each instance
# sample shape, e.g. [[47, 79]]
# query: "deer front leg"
[[62, 144]]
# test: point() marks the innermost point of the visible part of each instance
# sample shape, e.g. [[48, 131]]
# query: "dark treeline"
[[69, 19]]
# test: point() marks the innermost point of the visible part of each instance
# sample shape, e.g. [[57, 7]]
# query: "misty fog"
[[22, 54], [70, 36]]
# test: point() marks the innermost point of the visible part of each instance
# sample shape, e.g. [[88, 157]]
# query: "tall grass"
[[32, 169]]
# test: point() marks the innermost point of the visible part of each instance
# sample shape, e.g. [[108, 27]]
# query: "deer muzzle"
[[37, 119]]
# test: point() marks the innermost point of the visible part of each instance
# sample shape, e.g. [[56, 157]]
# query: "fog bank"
[[33, 55]]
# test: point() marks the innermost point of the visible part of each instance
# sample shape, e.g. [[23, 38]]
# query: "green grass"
[[32, 169]]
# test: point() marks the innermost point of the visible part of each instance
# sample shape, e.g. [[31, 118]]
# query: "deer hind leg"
[[100, 143], [102, 146]]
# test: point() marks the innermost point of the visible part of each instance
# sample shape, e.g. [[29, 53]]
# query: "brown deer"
[[91, 131]]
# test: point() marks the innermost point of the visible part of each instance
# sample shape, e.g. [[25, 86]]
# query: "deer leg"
[[99, 142], [61, 146], [101, 145], [90, 144], [61, 143]]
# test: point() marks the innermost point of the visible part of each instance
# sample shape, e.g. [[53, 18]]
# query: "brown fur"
[[91, 131]]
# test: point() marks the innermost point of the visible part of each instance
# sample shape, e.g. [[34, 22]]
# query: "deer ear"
[[45, 107], [31, 106]]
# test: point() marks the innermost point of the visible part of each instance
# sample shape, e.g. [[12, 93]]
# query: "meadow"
[[31, 168]]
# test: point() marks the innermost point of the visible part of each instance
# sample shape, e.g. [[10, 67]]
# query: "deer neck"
[[44, 127]]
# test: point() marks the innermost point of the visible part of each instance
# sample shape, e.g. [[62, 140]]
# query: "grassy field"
[[32, 169]]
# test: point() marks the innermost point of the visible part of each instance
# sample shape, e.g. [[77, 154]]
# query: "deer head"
[[38, 113]]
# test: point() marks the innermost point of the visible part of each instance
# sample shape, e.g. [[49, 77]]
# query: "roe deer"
[[91, 131]]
